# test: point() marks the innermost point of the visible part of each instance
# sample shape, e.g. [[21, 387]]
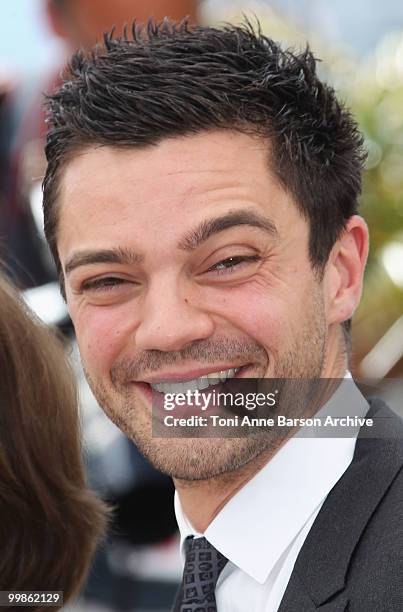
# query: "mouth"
[[184, 383], [196, 384]]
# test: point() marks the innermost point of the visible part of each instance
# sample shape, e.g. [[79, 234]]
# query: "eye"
[[103, 284], [228, 265]]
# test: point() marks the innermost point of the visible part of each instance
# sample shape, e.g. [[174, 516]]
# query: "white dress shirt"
[[263, 527]]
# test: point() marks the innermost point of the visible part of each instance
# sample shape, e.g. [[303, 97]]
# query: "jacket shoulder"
[[354, 550]]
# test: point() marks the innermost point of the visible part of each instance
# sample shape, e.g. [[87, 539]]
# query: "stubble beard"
[[196, 459]]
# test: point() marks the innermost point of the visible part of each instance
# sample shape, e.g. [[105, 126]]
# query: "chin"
[[195, 459]]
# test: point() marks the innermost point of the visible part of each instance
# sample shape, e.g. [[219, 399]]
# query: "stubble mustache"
[[221, 349]]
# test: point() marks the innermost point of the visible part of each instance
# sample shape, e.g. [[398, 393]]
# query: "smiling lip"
[[189, 374], [146, 389]]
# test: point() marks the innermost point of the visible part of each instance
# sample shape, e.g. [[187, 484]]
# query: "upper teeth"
[[197, 383]]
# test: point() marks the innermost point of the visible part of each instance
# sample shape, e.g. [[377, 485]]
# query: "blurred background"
[[361, 45]]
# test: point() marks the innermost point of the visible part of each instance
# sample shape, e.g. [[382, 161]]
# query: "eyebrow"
[[235, 218], [189, 242], [118, 256]]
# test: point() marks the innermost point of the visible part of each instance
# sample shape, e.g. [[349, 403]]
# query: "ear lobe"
[[346, 270]]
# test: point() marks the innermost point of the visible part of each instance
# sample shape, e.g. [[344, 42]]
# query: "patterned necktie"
[[203, 565]]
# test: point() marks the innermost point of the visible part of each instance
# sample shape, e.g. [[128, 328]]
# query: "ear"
[[345, 270]]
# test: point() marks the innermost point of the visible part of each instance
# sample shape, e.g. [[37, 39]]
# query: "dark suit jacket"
[[352, 559]]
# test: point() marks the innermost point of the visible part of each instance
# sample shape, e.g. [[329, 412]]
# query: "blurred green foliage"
[[377, 101], [374, 92]]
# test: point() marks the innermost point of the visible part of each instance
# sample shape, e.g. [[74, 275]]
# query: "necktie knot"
[[203, 565]]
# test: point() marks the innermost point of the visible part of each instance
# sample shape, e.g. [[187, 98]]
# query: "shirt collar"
[[261, 521]]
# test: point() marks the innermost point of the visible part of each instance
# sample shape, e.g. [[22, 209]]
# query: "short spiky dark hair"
[[171, 80]]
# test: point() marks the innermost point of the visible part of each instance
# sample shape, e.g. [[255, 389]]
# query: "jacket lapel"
[[297, 598], [320, 572]]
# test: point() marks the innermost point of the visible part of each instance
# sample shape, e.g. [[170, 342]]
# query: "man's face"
[[182, 259]]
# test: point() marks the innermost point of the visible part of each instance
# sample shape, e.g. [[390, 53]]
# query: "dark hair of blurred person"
[[50, 522]]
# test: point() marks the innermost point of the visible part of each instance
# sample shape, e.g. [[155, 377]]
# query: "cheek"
[[102, 335], [257, 312]]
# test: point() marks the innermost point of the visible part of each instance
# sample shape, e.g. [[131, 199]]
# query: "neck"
[[335, 363], [202, 500]]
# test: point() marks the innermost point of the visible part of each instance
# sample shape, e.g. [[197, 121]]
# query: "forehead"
[[107, 192]]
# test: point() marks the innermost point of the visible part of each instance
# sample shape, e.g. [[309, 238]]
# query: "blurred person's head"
[[200, 202], [50, 522], [82, 22]]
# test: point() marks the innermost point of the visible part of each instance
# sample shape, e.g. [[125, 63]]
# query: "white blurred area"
[[28, 45], [358, 25], [392, 258]]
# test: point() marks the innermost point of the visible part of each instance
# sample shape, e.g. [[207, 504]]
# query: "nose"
[[171, 319]]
